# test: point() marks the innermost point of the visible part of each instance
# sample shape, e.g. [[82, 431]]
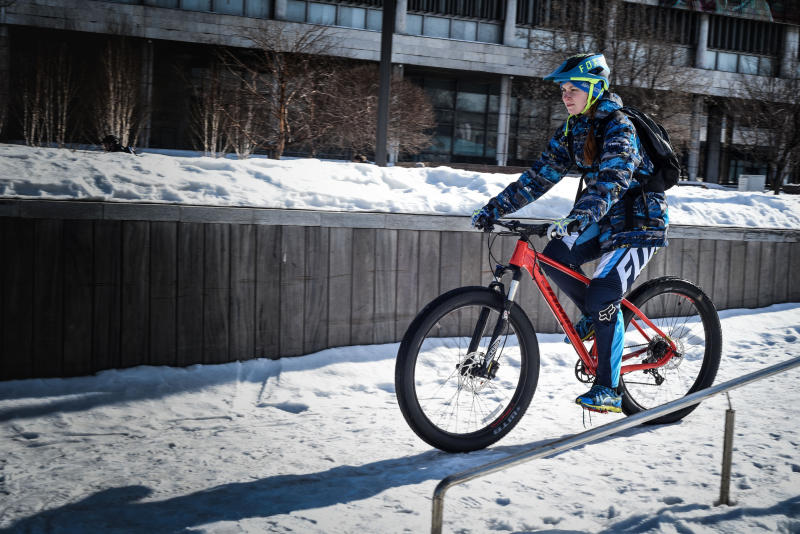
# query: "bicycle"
[[468, 364]]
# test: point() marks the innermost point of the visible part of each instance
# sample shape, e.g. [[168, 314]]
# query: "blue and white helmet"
[[588, 72], [588, 68]]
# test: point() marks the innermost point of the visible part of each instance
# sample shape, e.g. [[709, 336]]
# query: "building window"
[[229, 7], [196, 5], [464, 30], [324, 14], [741, 63], [745, 35], [738, 167], [450, 28], [475, 9], [248, 8], [295, 11], [466, 119], [743, 45], [436, 27], [259, 9], [352, 17], [348, 16]]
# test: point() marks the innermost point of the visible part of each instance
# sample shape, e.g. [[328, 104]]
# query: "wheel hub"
[[472, 375]]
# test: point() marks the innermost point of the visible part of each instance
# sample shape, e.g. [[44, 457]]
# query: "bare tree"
[[349, 112], [281, 75], [119, 109], [767, 121], [411, 118], [49, 91], [208, 115], [245, 130]]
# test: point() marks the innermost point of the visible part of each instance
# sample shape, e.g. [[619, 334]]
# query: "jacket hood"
[[608, 103]]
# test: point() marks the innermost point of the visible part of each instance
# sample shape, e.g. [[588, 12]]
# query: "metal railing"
[[594, 434]]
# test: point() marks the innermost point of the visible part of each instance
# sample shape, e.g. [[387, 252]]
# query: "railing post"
[[727, 455]]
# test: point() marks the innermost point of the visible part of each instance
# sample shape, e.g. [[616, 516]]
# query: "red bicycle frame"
[[526, 257]]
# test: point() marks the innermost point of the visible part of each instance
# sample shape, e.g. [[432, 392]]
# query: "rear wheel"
[[689, 319], [447, 393]]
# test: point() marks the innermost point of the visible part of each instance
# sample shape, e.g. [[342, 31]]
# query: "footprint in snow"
[[290, 407]]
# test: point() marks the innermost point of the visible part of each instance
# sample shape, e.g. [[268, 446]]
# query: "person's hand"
[[562, 227], [483, 218]]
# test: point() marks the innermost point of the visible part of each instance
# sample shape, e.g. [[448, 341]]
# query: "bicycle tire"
[[688, 317], [432, 384]]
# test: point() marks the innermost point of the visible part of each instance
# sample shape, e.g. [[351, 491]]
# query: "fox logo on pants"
[[609, 313]]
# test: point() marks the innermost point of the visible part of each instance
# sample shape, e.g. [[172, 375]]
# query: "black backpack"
[[655, 140]]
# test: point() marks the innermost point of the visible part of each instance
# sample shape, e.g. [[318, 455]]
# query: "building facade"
[[475, 59]]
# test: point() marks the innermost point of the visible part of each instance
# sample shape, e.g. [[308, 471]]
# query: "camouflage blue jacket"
[[621, 160]]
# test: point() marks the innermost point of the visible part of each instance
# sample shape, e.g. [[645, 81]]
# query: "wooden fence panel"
[[736, 282], [78, 301], [780, 286], [135, 317], [268, 291], [18, 293], [216, 293], [706, 263], [163, 292], [472, 259], [752, 266], [429, 263], [293, 271], [243, 292], [722, 272], [766, 275], [385, 286], [340, 286], [674, 258], [407, 278], [106, 326], [363, 310], [690, 260], [450, 267], [48, 347], [191, 270], [316, 292]]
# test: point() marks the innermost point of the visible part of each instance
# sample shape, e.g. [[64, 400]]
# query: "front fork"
[[489, 367]]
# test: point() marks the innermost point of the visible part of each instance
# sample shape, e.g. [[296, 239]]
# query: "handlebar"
[[523, 229]]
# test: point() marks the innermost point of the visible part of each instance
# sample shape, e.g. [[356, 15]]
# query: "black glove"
[[484, 218]]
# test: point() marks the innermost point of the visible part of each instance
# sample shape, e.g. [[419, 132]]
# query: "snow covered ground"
[[52, 173], [316, 444]]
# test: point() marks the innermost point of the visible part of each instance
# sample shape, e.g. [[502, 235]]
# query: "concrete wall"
[[86, 286]]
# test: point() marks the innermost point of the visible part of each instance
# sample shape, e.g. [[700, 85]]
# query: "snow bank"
[[49, 173]]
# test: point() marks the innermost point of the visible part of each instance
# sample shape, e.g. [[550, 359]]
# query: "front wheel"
[[688, 318], [447, 393]]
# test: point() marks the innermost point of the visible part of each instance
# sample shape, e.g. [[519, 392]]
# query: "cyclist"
[[612, 219]]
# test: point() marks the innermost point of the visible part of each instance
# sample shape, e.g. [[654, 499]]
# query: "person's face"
[[574, 99]]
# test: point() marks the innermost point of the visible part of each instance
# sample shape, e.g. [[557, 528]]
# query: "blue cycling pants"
[[601, 299]]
